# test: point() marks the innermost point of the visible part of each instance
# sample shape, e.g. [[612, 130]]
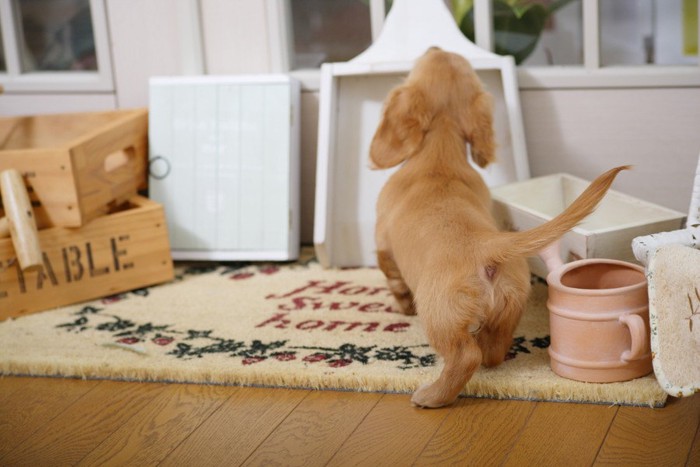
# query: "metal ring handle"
[[158, 175]]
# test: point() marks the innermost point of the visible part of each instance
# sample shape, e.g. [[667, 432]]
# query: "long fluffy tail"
[[508, 245]]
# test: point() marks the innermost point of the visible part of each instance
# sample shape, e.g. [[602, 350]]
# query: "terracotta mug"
[[598, 318]]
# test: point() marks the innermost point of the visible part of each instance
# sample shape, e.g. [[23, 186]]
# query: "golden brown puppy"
[[437, 242]]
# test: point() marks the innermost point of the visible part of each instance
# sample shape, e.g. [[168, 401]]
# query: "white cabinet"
[[225, 164]]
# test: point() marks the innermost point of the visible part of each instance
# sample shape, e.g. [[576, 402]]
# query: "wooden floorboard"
[[83, 426], [476, 431], [36, 405], [237, 428], [9, 386], [315, 430], [694, 455], [562, 434], [151, 433], [394, 433], [641, 436], [53, 421]]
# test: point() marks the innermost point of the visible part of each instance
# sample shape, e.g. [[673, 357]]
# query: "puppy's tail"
[[509, 245]]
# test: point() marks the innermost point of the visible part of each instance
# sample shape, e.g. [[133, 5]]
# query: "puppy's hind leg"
[[449, 310], [398, 287], [462, 357], [447, 325]]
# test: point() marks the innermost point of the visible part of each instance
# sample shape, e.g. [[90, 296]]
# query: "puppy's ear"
[[401, 129], [477, 125]]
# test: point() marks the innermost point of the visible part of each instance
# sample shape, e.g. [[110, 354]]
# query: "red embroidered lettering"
[[377, 290], [357, 290], [333, 324], [298, 304], [311, 324], [371, 307], [397, 327], [339, 306], [279, 319], [369, 327], [315, 286]]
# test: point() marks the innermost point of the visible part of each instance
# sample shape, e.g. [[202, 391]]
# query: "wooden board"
[[114, 253]]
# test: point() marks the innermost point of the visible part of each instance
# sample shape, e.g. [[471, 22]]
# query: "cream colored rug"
[[289, 326]]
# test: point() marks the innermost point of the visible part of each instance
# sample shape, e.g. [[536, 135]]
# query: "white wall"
[[235, 36], [585, 132], [150, 38]]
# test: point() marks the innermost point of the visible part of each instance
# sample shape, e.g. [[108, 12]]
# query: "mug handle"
[[638, 331]]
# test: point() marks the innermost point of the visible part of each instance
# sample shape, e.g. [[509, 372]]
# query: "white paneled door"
[[225, 164]]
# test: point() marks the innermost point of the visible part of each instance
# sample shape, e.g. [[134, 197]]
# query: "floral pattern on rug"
[[191, 343]]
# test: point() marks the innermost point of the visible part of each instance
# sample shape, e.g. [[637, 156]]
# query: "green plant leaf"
[[516, 33], [460, 9], [520, 10]]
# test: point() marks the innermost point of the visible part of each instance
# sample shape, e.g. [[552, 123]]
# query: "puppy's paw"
[[426, 397]]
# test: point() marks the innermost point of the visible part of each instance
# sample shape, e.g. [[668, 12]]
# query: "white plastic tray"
[[607, 233]]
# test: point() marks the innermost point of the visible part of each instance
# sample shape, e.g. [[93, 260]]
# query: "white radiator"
[[224, 162]]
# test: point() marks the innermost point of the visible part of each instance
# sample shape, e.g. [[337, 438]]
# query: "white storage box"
[[224, 162], [607, 233]]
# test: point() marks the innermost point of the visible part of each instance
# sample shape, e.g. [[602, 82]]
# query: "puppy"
[[437, 242]]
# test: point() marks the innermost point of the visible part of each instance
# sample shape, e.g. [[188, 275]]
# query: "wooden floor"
[[55, 422]]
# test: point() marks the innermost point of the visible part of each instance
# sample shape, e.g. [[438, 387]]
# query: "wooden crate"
[[77, 166], [121, 251], [607, 233]]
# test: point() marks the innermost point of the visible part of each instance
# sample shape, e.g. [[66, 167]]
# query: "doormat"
[[281, 325]]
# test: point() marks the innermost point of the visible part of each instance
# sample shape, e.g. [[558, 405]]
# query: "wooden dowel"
[[20, 218]]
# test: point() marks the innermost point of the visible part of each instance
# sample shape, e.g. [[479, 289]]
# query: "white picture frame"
[[350, 104]]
